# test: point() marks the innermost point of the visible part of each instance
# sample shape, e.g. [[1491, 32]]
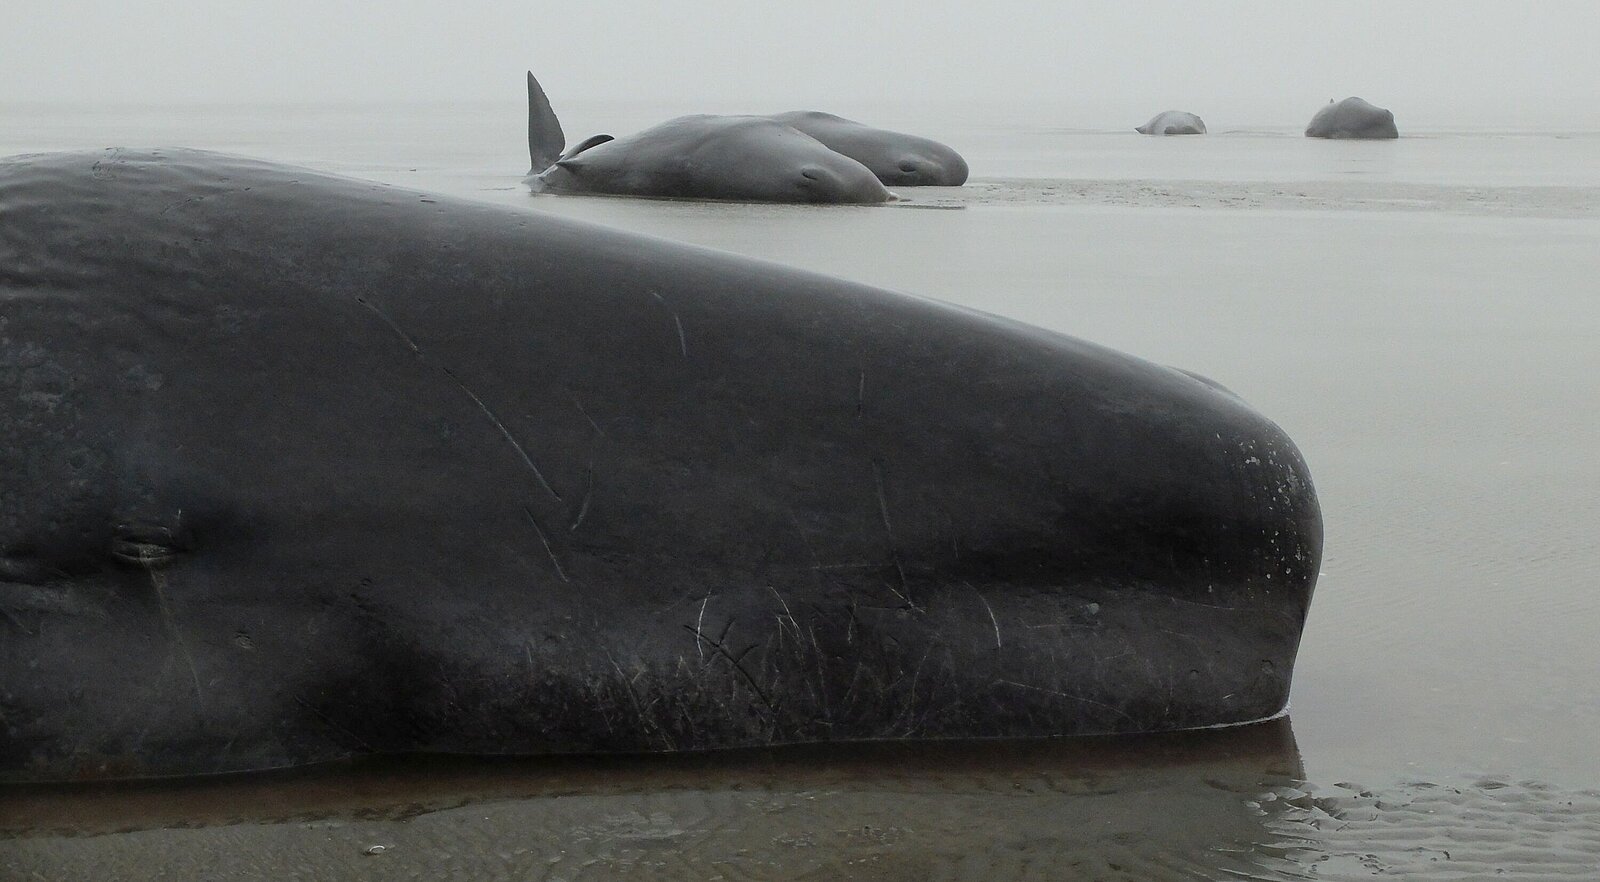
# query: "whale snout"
[[918, 169], [822, 183]]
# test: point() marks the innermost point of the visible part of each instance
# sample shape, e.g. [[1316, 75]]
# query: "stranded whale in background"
[[1173, 122], [736, 158], [296, 467], [1352, 118], [898, 159]]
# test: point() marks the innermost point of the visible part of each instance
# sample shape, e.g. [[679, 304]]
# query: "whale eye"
[[907, 166], [146, 545]]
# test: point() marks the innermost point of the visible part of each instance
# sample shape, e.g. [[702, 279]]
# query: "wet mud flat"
[[1224, 804], [1552, 202]]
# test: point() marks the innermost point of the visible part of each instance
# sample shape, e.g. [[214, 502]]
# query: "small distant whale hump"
[[1173, 122], [1354, 119]]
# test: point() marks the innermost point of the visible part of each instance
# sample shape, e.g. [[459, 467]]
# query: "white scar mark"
[[883, 510], [543, 540], [992, 620], [498, 424], [683, 344], [700, 624], [158, 583], [588, 494], [538, 475]]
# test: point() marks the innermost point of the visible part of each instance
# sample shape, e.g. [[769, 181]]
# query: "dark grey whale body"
[[1173, 122], [1354, 119], [732, 158], [296, 467], [898, 159]]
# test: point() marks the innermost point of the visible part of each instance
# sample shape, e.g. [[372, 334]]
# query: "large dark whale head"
[[898, 159], [295, 467]]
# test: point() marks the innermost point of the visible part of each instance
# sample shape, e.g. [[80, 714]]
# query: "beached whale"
[[1352, 118], [733, 158], [898, 159], [1173, 122], [297, 467]]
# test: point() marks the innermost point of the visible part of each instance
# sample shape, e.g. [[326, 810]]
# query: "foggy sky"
[[1440, 62]]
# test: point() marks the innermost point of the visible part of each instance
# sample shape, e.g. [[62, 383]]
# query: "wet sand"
[[1421, 321], [1508, 202], [1212, 805]]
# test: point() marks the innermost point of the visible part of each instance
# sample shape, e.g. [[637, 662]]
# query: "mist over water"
[[1439, 63], [1419, 315]]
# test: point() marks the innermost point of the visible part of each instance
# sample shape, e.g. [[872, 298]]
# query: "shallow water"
[[1214, 805], [1419, 315]]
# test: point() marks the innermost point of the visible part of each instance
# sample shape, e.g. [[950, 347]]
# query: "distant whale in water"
[[898, 159], [296, 467], [1173, 122], [1352, 118], [736, 158]]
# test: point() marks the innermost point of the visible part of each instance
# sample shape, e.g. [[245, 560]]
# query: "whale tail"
[[545, 138]]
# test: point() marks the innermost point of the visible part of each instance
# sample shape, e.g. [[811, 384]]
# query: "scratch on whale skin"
[[482, 406], [720, 648], [992, 620], [888, 529], [700, 624], [683, 344], [504, 431], [579, 405], [158, 584], [543, 540], [1079, 698], [588, 495]]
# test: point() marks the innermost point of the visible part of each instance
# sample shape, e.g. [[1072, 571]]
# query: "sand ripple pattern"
[[1131, 825], [1487, 829]]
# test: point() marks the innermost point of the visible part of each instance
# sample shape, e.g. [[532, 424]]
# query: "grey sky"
[[1441, 62]]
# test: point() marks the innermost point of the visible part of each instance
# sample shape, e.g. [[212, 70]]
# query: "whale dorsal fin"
[[545, 138], [588, 142]]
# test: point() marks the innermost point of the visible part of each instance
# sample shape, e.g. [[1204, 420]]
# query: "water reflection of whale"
[[1154, 806], [1213, 804]]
